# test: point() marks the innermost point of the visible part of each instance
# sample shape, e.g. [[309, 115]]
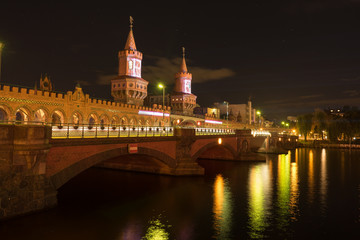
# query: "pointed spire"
[[183, 67], [130, 42]]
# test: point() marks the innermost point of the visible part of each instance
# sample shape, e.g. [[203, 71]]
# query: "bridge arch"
[[148, 122], [63, 176], [76, 118], [115, 120], [187, 123], [23, 114], [5, 112], [58, 116], [133, 121], [104, 119], [41, 114], [124, 120], [92, 119], [216, 151]]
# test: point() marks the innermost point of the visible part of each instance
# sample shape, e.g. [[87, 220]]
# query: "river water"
[[306, 194]]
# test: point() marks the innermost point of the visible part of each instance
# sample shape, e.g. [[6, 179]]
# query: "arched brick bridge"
[[33, 165]]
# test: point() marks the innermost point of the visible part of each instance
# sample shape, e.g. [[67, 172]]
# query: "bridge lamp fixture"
[[227, 113], [163, 100], [259, 114], [219, 141]]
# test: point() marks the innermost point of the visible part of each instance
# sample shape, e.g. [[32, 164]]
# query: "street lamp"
[[1, 47], [259, 114], [227, 113], [163, 100]]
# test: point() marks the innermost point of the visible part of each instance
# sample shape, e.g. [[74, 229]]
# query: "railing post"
[[82, 132], [119, 131], [108, 130], [67, 133], [95, 131]]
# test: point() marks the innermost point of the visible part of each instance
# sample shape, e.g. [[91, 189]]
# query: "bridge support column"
[[247, 145], [184, 164], [24, 187]]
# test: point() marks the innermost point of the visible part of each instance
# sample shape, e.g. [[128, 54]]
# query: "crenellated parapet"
[[25, 105], [129, 52], [186, 75]]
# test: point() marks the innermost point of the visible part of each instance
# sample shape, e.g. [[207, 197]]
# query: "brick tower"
[[182, 100], [129, 87], [45, 83]]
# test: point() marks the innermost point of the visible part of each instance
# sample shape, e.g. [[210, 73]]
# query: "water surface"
[[306, 194]]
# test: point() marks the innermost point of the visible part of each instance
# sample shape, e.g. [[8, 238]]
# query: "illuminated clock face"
[[187, 86], [135, 67]]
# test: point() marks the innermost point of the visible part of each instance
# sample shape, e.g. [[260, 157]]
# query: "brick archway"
[[168, 164], [216, 151]]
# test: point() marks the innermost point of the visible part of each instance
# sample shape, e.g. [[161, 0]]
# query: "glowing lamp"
[[219, 141]]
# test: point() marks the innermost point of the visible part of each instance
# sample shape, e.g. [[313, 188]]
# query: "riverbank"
[[326, 144]]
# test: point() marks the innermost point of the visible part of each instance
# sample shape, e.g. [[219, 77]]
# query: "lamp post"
[[227, 113], [163, 100], [259, 114], [1, 47]]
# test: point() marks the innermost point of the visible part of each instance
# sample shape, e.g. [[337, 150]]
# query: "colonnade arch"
[[22, 114], [5, 113]]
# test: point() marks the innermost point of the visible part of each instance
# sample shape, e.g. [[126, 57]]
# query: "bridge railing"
[[109, 131], [71, 130], [214, 131]]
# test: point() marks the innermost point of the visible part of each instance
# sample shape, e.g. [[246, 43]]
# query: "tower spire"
[[130, 42], [183, 67]]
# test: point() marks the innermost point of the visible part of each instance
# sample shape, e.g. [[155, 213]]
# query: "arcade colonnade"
[[24, 105]]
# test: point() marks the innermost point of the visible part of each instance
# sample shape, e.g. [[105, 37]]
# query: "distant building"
[[243, 113], [292, 118], [158, 100], [210, 112]]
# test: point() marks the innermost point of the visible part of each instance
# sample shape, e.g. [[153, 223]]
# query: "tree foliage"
[[304, 124]]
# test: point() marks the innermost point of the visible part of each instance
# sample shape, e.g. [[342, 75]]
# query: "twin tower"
[[128, 87]]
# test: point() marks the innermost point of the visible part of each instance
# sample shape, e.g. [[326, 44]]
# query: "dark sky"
[[289, 56]]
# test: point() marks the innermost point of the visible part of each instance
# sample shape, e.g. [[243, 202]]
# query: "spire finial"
[[131, 22], [183, 67], [130, 42]]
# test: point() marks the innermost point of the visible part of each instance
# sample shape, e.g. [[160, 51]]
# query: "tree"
[[238, 117], [320, 122], [304, 124]]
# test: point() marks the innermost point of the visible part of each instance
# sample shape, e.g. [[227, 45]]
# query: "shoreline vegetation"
[[327, 144]]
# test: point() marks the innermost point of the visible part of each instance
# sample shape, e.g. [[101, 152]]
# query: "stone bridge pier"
[[24, 186]]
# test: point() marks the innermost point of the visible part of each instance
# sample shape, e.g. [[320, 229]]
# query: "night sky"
[[290, 57]]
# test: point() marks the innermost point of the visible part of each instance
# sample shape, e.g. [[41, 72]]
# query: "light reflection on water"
[[260, 192], [306, 194], [156, 230], [222, 208]]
